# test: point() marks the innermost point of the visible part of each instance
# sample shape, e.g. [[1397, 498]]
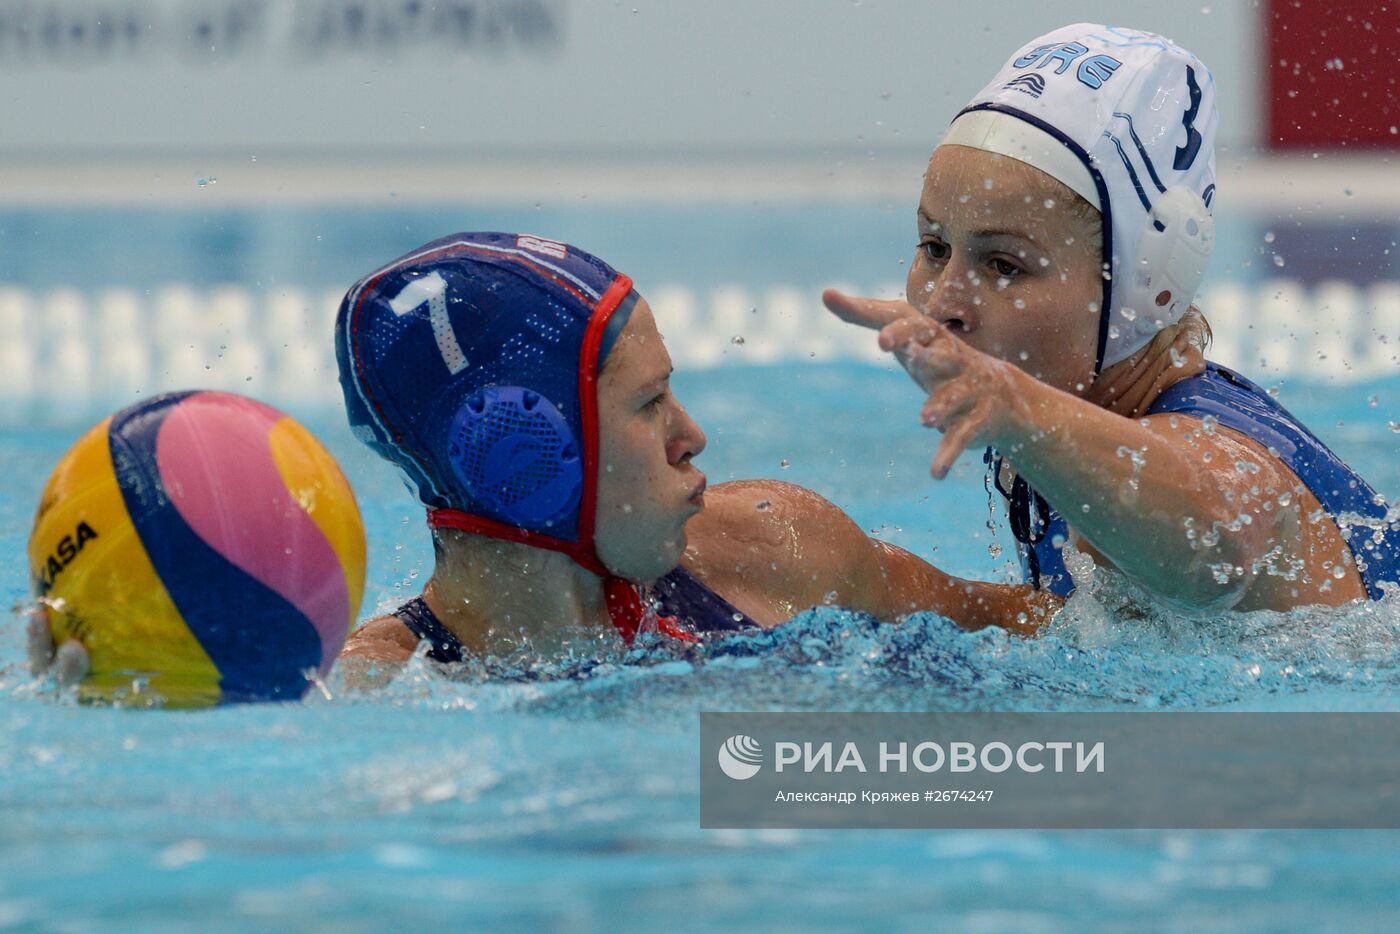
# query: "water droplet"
[[737, 339], [763, 506], [988, 184], [1024, 356], [994, 550], [1269, 237], [1278, 260], [1129, 314], [1394, 426], [785, 463], [1084, 508], [1044, 262], [1339, 572], [1112, 332], [1374, 401], [203, 182], [1019, 303], [737, 617], [1049, 202], [964, 198]]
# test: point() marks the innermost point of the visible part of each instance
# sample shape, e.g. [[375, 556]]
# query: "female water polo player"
[[523, 389], [1064, 227]]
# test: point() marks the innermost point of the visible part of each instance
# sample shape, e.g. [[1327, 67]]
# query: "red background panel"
[[1332, 73]]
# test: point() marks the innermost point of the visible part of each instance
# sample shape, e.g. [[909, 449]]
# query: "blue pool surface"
[[571, 802]]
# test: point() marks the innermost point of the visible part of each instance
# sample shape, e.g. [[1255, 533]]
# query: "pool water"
[[566, 796]]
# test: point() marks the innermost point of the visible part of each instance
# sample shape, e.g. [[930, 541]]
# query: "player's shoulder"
[[382, 639], [763, 526], [764, 503]]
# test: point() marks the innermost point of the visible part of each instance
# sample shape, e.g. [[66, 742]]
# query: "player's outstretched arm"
[[774, 549]]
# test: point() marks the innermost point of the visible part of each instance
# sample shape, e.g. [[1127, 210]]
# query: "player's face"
[[647, 487], [1006, 267]]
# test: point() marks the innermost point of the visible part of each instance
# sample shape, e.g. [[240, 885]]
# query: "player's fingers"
[[930, 364], [955, 441], [946, 404], [870, 313], [39, 639], [71, 662], [907, 330]]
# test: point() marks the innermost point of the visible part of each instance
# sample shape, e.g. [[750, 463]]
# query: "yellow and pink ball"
[[204, 548]]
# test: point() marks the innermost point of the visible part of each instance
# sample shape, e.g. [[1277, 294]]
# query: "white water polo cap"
[[1126, 119]]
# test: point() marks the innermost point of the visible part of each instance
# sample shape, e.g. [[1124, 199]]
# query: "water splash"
[[1111, 647]]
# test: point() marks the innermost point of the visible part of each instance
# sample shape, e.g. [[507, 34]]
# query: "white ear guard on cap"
[[1173, 250]]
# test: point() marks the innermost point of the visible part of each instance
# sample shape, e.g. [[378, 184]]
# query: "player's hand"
[[70, 661], [969, 392]]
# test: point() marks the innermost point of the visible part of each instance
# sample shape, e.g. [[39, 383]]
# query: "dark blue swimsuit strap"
[[697, 607], [423, 623], [679, 594]]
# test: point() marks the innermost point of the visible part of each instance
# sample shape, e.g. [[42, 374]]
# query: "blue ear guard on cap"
[[517, 457], [460, 363]]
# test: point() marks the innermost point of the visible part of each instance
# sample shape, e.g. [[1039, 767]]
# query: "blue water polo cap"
[[471, 363]]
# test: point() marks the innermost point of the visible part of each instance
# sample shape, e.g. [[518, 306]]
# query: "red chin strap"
[[628, 613]]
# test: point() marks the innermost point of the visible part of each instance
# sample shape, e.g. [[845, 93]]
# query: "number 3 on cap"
[[1185, 155], [432, 289]]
